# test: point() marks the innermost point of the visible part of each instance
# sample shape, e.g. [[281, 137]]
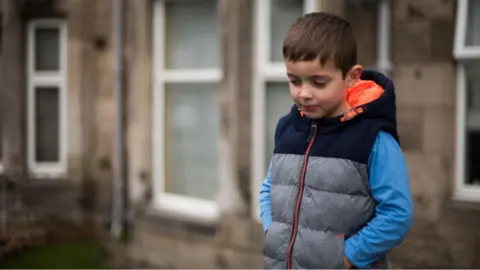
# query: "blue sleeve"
[[390, 188], [265, 209], [265, 212]]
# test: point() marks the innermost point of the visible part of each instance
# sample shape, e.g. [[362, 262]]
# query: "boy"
[[337, 191]]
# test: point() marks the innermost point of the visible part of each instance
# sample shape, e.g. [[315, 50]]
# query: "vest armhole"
[[281, 124], [369, 141], [372, 136]]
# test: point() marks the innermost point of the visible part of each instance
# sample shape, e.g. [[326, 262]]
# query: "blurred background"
[[137, 133]]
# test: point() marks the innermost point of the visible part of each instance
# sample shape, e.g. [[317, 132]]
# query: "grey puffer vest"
[[320, 193], [336, 198]]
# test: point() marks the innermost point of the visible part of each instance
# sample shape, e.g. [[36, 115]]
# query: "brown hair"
[[323, 36]]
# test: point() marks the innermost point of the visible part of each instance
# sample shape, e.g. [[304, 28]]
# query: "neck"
[[342, 109]]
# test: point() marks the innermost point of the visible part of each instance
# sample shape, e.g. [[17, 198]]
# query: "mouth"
[[309, 108]]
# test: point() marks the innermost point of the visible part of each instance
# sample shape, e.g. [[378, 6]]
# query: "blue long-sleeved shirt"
[[389, 183]]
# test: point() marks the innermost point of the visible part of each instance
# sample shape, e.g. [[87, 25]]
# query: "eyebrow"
[[321, 77]]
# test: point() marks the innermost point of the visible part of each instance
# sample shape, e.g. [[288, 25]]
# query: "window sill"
[[467, 195], [47, 171], [185, 209], [47, 176]]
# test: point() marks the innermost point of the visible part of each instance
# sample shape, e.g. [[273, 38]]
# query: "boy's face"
[[320, 91]]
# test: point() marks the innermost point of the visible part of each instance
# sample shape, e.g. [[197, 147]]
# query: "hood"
[[375, 93], [372, 97]]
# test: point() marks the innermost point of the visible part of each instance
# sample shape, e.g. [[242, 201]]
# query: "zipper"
[[310, 141]]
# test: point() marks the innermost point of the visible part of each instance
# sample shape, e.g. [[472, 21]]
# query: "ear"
[[354, 75]]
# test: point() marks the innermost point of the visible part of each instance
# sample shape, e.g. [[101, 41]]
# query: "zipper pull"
[[312, 133]]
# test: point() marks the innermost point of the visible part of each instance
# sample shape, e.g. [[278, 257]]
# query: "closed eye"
[[319, 84], [295, 82]]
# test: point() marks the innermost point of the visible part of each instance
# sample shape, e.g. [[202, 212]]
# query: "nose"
[[305, 92]]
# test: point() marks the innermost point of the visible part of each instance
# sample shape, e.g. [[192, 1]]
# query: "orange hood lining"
[[363, 92]]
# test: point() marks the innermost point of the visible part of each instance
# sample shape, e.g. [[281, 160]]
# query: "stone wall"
[[444, 233], [90, 120]]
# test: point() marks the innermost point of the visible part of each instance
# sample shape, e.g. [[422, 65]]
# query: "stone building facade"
[[204, 86]]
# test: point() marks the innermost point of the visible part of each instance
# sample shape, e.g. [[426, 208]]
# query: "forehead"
[[311, 68]]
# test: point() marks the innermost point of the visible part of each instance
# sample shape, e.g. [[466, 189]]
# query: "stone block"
[[197, 255], [156, 224], [238, 244], [333, 6], [239, 259], [459, 222], [240, 232], [103, 13], [365, 27], [257, 236], [162, 250], [411, 42], [436, 244], [419, 254], [426, 84], [455, 230], [63, 6], [411, 130], [428, 184], [476, 254], [425, 9], [442, 34], [439, 131]]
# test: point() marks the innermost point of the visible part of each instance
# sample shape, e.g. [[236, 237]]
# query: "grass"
[[85, 254]]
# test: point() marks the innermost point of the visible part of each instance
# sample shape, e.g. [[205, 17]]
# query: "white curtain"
[[192, 34], [278, 105], [192, 42], [193, 138], [283, 15]]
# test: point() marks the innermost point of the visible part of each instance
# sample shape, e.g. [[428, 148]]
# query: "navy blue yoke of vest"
[[352, 139]]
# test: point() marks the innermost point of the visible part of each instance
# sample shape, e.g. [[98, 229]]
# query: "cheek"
[[330, 97], [294, 92]]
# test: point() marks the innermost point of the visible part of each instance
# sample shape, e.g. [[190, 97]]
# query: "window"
[[186, 111], [271, 98], [47, 97], [467, 53]]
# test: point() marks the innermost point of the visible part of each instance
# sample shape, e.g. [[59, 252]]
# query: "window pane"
[[473, 23], [473, 86], [278, 104], [283, 15], [192, 124], [47, 49], [473, 124], [47, 121], [473, 157], [192, 34]]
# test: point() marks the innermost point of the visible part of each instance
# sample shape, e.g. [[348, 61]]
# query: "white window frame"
[[48, 79], [462, 191], [461, 51], [172, 204], [264, 71]]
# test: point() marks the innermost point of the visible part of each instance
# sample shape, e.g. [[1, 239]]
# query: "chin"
[[314, 115]]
